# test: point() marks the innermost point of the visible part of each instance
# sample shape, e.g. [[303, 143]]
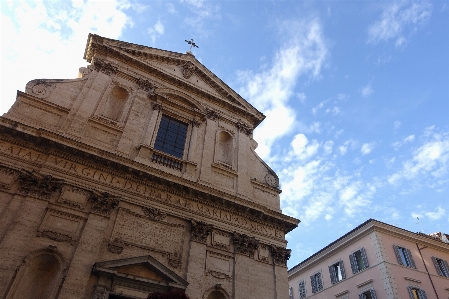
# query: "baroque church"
[[139, 176]]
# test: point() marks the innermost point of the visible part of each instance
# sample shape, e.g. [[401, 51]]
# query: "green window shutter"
[[343, 273], [353, 263], [332, 274], [398, 256], [437, 267], [410, 259], [364, 258]]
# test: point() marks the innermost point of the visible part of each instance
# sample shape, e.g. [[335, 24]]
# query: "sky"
[[355, 93]]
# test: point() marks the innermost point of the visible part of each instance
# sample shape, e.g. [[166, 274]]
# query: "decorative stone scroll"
[[103, 203], [244, 244], [41, 186], [188, 69], [116, 246], [212, 114], [154, 213], [146, 86], [280, 255], [104, 67], [200, 231], [58, 237], [244, 128], [7, 177]]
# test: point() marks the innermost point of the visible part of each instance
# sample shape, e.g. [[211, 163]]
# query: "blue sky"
[[356, 93]]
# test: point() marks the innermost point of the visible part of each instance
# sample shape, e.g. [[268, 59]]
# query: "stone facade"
[[375, 260], [93, 206]]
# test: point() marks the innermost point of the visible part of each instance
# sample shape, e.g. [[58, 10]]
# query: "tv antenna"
[[191, 43]]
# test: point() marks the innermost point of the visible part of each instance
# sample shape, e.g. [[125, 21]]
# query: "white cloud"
[[399, 19], [367, 90], [49, 42], [156, 31], [171, 8], [438, 214], [396, 145], [367, 148], [397, 124], [327, 147], [271, 89]]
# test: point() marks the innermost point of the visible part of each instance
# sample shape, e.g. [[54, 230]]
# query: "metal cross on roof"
[[191, 43]]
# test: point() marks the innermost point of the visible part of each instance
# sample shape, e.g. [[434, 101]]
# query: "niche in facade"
[[38, 279], [116, 103], [225, 148]]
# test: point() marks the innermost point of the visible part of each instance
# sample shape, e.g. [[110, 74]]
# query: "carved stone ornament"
[[244, 128], [218, 275], [157, 106], [104, 203], [7, 177], [271, 180], [100, 292], [154, 213], [244, 244], [280, 255], [188, 69], [85, 71], [146, 86], [58, 237], [200, 231], [41, 186], [104, 67], [195, 122], [212, 114], [40, 88], [116, 246], [175, 263]]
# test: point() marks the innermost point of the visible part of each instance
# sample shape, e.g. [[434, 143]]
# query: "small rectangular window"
[[337, 272], [171, 136], [404, 256], [316, 282], [370, 294], [416, 293], [302, 289], [441, 266], [358, 260]]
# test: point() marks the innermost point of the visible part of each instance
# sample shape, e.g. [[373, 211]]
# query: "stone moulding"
[[244, 244], [58, 237], [280, 255], [200, 231]]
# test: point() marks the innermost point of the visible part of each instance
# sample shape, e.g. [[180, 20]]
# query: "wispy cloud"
[[432, 215], [367, 148], [156, 31], [367, 90], [271, 89], [398, 21], [53, 32]]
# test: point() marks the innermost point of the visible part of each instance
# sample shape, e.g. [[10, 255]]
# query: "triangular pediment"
[[184, 69], [144, 268]]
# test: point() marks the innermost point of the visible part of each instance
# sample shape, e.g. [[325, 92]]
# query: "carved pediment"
[[183, 70], [144, 269]]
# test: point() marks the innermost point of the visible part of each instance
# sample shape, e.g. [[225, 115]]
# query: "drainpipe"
[[428, 274]]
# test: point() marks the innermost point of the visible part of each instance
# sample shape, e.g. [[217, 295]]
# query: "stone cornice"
[[47, 142], [361, 231], [95, 45]]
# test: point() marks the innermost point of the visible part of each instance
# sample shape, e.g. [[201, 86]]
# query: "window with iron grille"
[[404, 256], [171, 136], [441, 266], [369, 294], [358, 260], [337, 272], [416, 293], [316, 282], [302, 289]]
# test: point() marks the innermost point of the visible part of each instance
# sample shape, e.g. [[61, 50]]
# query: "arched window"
[[225, 148], [216, 295], [38, 278], [115, 103]]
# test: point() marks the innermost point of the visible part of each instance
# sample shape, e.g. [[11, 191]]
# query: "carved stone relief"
[[188, 69], [146, 86], [74, 197], [212, 114], [7, 177], [244, 128], [200, 231], [221, 240], [103, 203], [263, 253], [40, 88], [61, 226], [38, 185], [154, 213], [104, 67], [116, 246], [244, 244], [280, 255], [218, 265]]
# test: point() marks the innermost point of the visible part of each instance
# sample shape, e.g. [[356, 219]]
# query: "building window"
[[337, 272], [302, 289], [369, 294], [416, 293], [358, 260], [441, 266], [404, 256], [290, 292], [316, 282], [171, 136]]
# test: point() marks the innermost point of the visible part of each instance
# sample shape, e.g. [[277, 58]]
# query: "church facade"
[[139, 176]]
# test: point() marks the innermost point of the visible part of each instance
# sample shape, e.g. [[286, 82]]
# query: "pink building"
[[375, 260]]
